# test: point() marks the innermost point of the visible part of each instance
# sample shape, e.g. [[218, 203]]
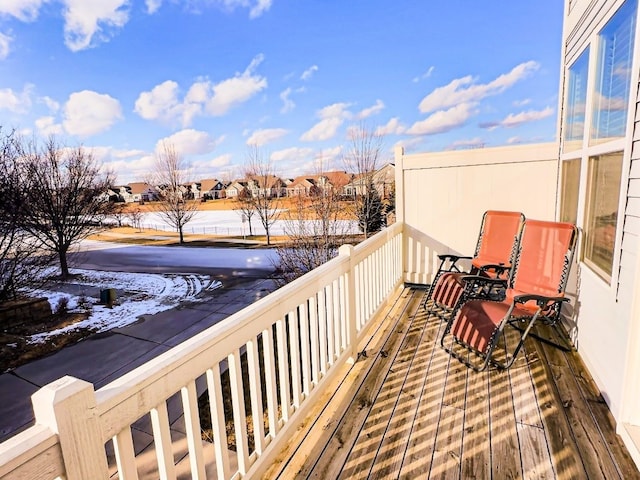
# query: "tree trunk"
[[181, 235], [64, 266]]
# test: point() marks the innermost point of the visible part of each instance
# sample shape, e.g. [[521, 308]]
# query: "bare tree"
[[315, 229], [135, 218], [21, 258], [362, 157], [172, 176], [265, 191], [66, 198], [119, 213], [246, 207]]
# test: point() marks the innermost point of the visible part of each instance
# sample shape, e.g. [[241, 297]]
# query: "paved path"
[[103, 357]]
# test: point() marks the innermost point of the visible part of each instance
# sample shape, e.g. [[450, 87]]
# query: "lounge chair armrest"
[[484, 280], [541, 300], [452, 257], [499, 268]]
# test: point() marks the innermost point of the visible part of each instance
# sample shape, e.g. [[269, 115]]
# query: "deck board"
[[429, 416]]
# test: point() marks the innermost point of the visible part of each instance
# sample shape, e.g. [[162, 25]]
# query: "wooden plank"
[[536, 460], [382, 400], [419, 346], [525, 403], [448, 447], [476, 446], [421, 444], [591, 446], [565, 456], [505, 455], [622, 461]]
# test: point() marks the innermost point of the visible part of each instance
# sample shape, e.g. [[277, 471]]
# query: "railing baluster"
[[218, 422], [125, 455], [294, 346], [342, 312], [268, 346], [323, 330], [257, 413], [192, 425], [314, 339], [162, 441], [336, 307], [239, 415], [305, 363], [283, 370]]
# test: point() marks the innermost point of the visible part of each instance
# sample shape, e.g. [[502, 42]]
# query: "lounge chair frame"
[[483, 289], [446, 284]]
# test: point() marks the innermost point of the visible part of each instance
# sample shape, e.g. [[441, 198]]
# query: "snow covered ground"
[[137, 294], [143, 293], [228, 222]]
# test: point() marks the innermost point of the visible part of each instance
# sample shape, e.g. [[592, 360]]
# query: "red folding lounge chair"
[[477, 333], [495, 250]]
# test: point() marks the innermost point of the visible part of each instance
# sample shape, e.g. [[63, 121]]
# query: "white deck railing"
[[288, 345]]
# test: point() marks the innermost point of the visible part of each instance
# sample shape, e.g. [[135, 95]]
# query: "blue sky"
[[291, 76]]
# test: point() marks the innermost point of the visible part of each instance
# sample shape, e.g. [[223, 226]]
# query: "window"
[[601, 214], [613, 77], [569, 191], [573, 131]]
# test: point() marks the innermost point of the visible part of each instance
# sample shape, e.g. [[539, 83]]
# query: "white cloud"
[[259, 8], [16, 102], [367, 112], [24, 10], [292, 154], [471, 143], [5, 43], [464, 90], [323, 130], [51, 104], [392, 127], [514, 140], [331, 118], [267, 135], [47, 126], [153, 6], [163, 102], [88, 113], [237, 89], [513, 120], [522, 103], [308, 73], [221, 160], [288, 104], [426, 74], [88, 22], [443, 120], [409, 144], [189, 142]]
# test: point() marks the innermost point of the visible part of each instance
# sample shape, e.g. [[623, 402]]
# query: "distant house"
[[267, 186], [300, 186], [212, 188], [234, 189], [383, 180], [141, 192], [329, 181]]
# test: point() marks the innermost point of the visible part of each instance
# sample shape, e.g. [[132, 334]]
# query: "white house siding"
[[603, 308]]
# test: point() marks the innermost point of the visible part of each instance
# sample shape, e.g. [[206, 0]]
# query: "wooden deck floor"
[[415, 412]]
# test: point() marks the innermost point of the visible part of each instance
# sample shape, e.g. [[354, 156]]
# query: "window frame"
[[587, 150]]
